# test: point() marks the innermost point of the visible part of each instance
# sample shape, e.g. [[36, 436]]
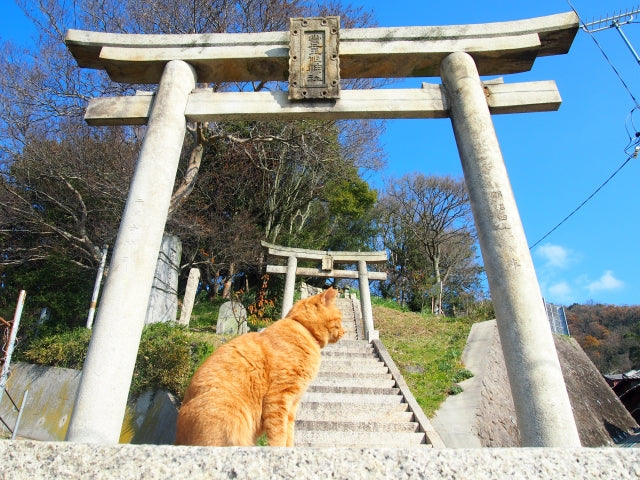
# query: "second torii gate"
[[459, 55], [327, 261]]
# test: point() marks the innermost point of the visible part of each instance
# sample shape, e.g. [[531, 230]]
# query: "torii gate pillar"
[[539, 393], [104, 386]]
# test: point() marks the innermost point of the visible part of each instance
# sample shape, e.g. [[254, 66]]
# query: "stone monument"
[[189, 296], [163, 300], [232, 319]]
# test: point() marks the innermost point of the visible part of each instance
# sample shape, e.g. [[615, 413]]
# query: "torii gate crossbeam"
[[458, 54]]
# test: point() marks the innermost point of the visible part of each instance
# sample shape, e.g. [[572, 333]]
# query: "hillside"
[[428, 350], [609, 334]]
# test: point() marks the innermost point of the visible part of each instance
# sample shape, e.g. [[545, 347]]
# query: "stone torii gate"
[[459, 55], [328, 261]]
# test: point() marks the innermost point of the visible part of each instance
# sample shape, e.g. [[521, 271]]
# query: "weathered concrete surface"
[[151, 418], [189, 298], [107, 372], [163, 299], [52, 392], [483, 415], [28, 460], [232, 319], [205, 105]]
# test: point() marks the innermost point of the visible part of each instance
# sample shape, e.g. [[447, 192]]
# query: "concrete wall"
[[483, 415], [151, 418]]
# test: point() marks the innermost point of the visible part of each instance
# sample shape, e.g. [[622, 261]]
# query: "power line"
[[634, 141], [634, 155], [606, 57]]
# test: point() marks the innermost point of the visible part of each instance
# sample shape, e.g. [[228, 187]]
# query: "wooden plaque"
[[314, 66]]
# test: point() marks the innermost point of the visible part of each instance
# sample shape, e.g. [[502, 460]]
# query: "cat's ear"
[[329, 296]]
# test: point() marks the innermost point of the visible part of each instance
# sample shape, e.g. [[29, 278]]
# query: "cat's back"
[[241, 357]]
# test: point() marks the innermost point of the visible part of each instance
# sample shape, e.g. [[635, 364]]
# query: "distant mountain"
[[609, 334]]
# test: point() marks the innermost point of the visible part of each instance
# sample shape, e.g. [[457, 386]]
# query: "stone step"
[[354, 401], [353, 390], [357, 360], [366, 382], [349, 354], [354, 412], [349, 346], [349, 333], [322, 439], [359, 398], [350, 366], [351, 363], [359, 414], [335, 353], [323, 426], [336, 374]]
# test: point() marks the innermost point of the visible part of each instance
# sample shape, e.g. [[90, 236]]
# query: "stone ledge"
[[43, 460]]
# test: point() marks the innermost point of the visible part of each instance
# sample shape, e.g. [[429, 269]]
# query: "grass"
[[427, 349]]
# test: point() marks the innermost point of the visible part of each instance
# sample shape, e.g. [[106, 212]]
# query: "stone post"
[[289, 285], [542, 404], [365, 301], [163, 299], [106, 377], [189, 296], [96, 287]]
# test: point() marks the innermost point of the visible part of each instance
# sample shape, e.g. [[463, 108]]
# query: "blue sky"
[[555, 160]]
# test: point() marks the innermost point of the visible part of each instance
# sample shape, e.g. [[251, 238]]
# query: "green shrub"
[[167, 358], [67, 349]]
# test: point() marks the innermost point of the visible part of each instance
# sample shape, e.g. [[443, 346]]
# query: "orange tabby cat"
[[253, 384]]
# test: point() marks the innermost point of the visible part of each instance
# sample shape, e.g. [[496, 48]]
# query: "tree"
[[430, 235], [609, 334], [64, 196], [280, 170]]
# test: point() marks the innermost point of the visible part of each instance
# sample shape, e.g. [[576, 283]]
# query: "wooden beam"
[[426, 102], [497, 48], [316, 272]]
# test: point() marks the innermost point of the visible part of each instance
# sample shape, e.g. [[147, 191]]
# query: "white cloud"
[[554, 255], [606, 282], [560, 290]]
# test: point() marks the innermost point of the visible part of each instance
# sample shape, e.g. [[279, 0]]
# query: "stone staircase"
[[357, 399]]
